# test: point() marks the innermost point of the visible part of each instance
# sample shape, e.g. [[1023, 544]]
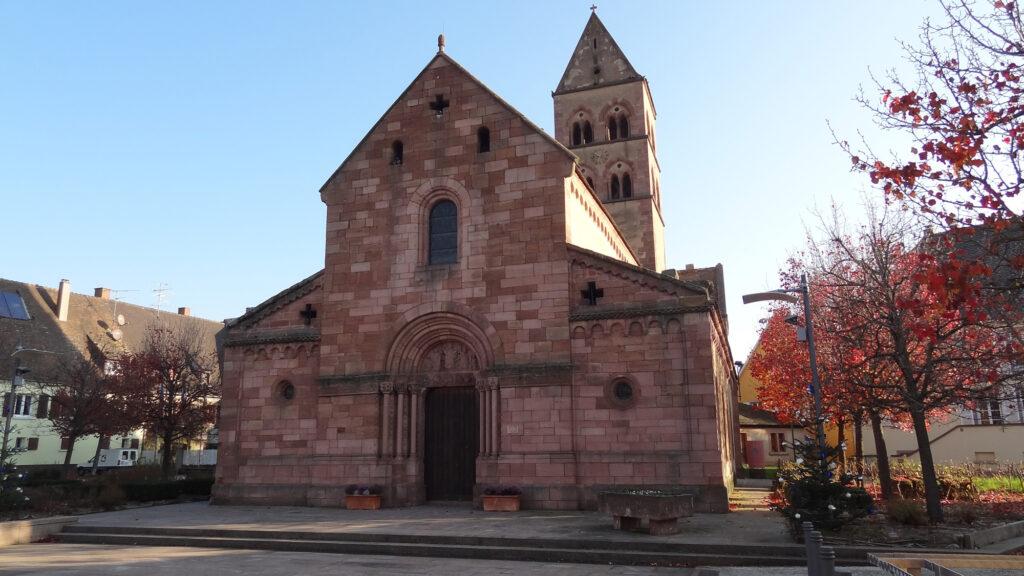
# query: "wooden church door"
[[450, 443]]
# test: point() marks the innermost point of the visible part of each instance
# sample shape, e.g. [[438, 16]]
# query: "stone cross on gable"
[[439, 104], [308, 314], [592, 293]]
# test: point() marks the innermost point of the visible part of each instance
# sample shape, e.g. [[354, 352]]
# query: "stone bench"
[[661, 510]]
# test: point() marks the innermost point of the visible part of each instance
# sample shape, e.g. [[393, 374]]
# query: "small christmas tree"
[[813, 490], [12, 496]]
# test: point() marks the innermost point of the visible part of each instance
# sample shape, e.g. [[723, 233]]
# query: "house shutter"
[[44, 406], [135, 443], [33, 443], [7, 403]]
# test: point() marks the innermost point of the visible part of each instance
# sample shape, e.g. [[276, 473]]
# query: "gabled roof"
[[597, 60], [89, 331], [641, 275], [751, 415], [451, 61], [277, 301]]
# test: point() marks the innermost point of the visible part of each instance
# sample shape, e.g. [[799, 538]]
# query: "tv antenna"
[[162, 293]]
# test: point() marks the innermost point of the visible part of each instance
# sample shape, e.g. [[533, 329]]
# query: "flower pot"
[[501, 503], [362, 502]]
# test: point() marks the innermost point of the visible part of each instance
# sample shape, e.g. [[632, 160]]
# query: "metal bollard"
[[827, 561], [815, 562], [812, 551]]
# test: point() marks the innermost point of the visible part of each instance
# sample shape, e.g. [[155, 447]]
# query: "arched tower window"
[[613, 128], [588, 132], [443, 233], [615, 187], [577, 134], [623, 126], [483, 139], [627, 186], [397, 152]]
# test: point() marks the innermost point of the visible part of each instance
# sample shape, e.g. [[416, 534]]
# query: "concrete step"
[[604, 555], [783, 550]]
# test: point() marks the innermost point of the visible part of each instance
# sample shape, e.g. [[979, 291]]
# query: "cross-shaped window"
[[592, 293], [439, 104], [308, 314]]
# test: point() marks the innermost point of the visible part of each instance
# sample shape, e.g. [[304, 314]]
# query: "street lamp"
[[786, 295], [19, 373]]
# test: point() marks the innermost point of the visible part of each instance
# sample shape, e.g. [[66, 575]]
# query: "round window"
[[623, 391], [287, 390]]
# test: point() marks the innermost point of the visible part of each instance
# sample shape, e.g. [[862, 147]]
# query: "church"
[[494, 310]]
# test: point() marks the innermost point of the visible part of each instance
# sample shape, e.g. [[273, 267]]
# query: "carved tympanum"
[[449, 356]]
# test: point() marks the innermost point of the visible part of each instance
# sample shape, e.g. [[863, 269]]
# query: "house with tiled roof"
[[52, 326]]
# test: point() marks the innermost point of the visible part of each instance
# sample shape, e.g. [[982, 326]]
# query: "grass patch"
[[999, 484]]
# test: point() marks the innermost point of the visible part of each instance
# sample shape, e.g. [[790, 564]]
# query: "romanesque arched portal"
[[439, 406]]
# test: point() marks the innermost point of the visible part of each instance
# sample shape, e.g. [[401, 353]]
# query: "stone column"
[[481, 396], [400, 418], [415, 406], [386, 420], [494, 422]]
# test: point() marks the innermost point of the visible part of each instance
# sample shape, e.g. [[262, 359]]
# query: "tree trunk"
[[932, 496], [840, 440], [69, 473], [858, 442], [167, 456], [96, 456], [882, 456]]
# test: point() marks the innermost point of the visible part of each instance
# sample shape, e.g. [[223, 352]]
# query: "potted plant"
[[501, 498], [362, 497]]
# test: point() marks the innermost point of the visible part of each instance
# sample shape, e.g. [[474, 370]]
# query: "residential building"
[[64, 326]]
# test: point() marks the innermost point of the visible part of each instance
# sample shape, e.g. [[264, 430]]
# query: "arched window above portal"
[[443, 233]]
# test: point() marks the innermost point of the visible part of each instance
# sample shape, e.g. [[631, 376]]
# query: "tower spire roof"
[[596, 60]]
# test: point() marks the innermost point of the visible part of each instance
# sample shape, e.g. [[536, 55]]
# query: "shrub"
[[111, 496], [908, 512], [955, 482], [502, 491], [166, 490], [363, 490]]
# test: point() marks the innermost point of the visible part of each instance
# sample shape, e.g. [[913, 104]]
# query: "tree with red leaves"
[[174, 383], [885, 345], [919, 356], [964, 114], [84, 401]]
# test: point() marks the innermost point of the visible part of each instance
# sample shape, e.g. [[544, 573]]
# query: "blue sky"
[[184, 143]]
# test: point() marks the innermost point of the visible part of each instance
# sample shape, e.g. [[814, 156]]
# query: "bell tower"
[[604, 113]]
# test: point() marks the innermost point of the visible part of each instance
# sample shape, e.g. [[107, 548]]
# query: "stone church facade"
[[494, 309]]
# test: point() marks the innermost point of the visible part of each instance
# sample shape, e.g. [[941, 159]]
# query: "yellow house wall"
[[48, 451]]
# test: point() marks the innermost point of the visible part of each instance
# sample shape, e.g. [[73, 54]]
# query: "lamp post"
[[16, 377], [786, 295]]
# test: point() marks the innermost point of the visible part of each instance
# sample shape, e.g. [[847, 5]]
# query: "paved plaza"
[[749, 527]]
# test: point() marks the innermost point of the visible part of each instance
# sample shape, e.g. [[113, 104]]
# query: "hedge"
[[166, 490]]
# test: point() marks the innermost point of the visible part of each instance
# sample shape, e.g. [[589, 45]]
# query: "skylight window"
[[12, 306]]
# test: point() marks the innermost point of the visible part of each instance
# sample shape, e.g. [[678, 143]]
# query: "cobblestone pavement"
[[94, 560], [744, 527]]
